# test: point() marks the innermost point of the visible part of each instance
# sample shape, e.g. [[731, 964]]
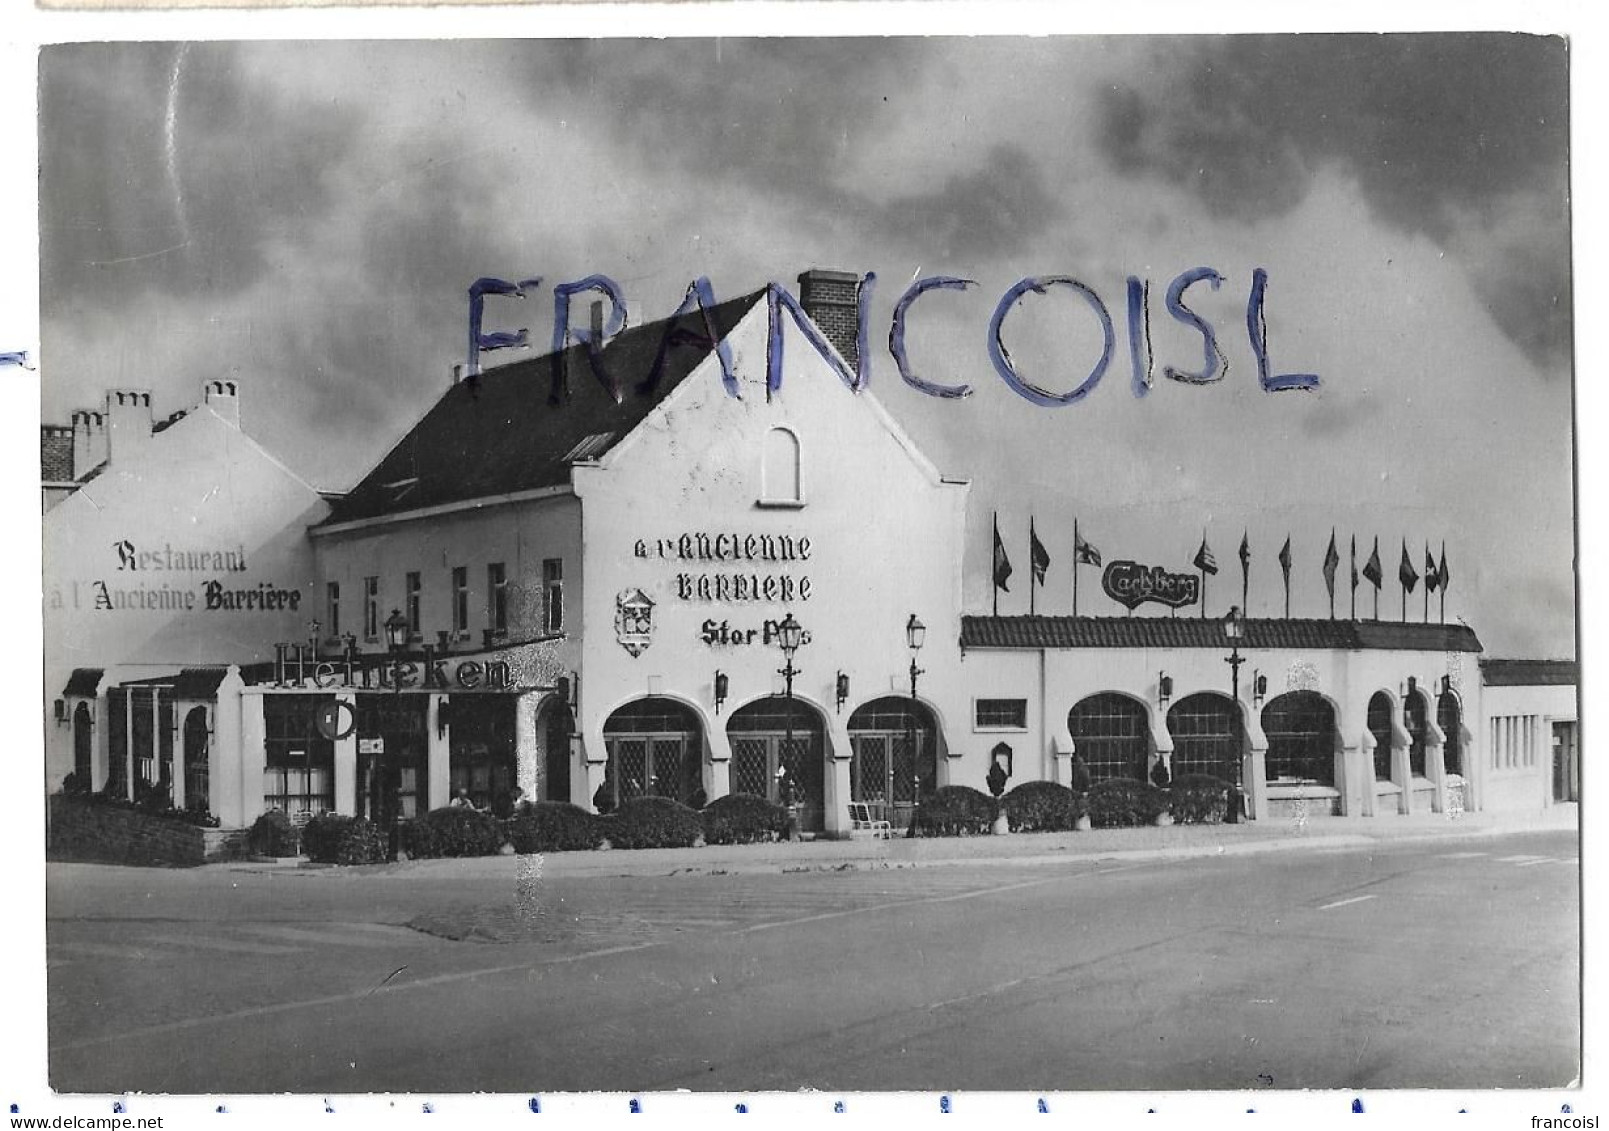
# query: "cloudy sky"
[[306, 217]]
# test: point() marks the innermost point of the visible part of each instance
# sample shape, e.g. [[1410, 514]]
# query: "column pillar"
[[100, 732], [1435, 764], [223, 753], [836, 788], [1401, 772], [176, 744], [528, 768], [438, 747], [253, 756], [1369, 796], [346, 760], [592, 758], [718, 771]]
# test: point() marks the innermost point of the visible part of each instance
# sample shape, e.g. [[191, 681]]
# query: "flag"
[[1038, 556], [1371, 568], [1354, 559], [1083, 551], [1442, 575], [1205, 562], [1285, 559], [1432, 576], [1002, 564], [1245, 551], [1331, 560], [1405, 571]]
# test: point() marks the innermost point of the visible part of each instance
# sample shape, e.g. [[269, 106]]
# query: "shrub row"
[[333, 838], [151, 799]]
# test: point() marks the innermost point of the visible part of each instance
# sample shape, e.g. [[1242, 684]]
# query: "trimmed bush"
[[334, 838], [452, 831], [1122, 802], [553, 826], [272, 834], [955, 810], [1198, 799], [653, 822], [742, 818], [1039, 807]]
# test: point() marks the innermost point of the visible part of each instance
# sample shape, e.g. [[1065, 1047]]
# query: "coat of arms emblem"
[[634, 620]]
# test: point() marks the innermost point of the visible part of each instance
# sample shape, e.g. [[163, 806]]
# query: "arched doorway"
[[554, 727], [1300, 726], [656, 748], [84, 748], [1414, 720], [780, 734], [1111, 736], [1206, 736], [197, 777], [894, 756], [1450, 718], [1380, 728]]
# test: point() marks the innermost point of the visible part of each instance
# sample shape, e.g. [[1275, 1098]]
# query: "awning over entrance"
[[83, 683]]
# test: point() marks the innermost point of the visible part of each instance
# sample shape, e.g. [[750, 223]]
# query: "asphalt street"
[[1443, 964]]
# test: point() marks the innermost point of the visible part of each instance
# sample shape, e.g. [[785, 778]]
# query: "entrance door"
[[883, 772], [758, 755], [556, 755], [1564, 762]]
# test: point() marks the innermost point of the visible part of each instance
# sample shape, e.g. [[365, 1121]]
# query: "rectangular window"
[[299, 763], [371, 608], [1000, 714], [332, 608], [497, 597], [460, 598], [411, 586], [553, 595]]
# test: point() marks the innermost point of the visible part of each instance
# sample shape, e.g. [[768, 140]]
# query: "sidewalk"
[[1018, 849]]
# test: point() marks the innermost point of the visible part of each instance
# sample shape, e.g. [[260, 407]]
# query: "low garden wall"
[[108, 834]]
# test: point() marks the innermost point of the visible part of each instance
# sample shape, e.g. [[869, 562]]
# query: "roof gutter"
[[467, 505]]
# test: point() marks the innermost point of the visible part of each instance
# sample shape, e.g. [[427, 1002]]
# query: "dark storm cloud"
[[180, 194], [1443, 134], [1000, 208]]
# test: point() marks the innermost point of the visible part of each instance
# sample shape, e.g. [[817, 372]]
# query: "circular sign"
[[329, 722]]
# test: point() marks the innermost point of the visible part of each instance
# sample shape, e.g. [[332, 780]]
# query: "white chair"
[[861, 820]]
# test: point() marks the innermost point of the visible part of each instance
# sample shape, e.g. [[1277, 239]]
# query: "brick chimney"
[[128, 421], [222, 396], [831, 298], [89, 441]]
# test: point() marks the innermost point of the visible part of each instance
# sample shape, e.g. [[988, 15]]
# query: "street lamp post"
[[396, 636], [915, 636], [1234, 629], [789, 635]]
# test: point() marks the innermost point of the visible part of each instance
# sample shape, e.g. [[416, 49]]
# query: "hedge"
[[272, 834], [553, 826], [652, 822], [153, 802], [955, 810], [1121, 802], [1198, 799], [1039, 807], [333, 838], [453, 830], [742, 818]]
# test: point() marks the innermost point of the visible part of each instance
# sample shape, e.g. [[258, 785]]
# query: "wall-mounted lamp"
[[841, 689], [61, 712], [722, 685], [1259, 687], [1164, 688]]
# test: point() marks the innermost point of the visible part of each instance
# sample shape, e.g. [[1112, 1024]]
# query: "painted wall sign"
[[1131, 585], [721, 633], [702, 546], [294, 667], [634, 620]]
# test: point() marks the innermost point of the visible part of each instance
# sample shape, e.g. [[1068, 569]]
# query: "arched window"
[[894, 746], [197, 778], [1380, 728], [781, 481], [84, 747], [1450, 718], [1414, 720], [1206, 735], [1110, 736], [1300, 726], [780, 734], [656, 748]]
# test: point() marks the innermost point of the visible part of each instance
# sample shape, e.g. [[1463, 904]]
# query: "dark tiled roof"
[[503, 432], [55, 453], [190, 683], [1194, 632], [1529, 673], [83, 683]]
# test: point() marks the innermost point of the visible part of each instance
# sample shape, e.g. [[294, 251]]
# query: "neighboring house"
[[1531, 739]]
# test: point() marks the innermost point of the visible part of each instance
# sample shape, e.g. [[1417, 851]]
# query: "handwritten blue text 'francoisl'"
[[700, 297]]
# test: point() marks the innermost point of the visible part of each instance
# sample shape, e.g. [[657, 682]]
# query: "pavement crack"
[[389, 976]]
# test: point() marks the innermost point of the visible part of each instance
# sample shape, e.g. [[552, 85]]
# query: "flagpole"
[[1427, 588], [1075, 567], [1033, 574], [1404, 585], [1245, 577], [1203, 577], [1442, 573], [994, 583], [1352, 575]]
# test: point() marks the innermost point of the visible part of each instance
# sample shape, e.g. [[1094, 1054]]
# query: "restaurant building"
[[571, 579]]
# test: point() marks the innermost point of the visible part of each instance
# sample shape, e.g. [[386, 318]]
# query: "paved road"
[[1450, 964]]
